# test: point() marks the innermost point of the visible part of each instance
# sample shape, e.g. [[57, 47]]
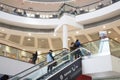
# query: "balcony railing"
[[65, 8], [22, 55]]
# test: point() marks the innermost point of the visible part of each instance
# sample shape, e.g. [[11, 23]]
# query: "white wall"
[[11, 66], [97, 64], [26, 21], [116, 64], [105, 66]]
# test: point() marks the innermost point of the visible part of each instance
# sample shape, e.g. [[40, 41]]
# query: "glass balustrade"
[[115, 48], [92, 46], [33, 71], [22, 55], [14, 53], [19, 54], [40, 72], [65, 8]]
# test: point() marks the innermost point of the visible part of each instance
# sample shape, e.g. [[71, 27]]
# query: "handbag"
[[55, 63]]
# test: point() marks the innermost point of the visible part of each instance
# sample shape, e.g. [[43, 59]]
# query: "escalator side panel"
[[70, 72]]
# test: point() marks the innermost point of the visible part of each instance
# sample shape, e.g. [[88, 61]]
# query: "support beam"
[[65, 36]]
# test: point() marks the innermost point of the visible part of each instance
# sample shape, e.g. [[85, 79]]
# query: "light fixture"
[[77, 32], [29, 34], [28, 39], [39, 52], [23, 49], [104, 27], [116, 38], [3, 30], [68, 39], [54, 34], [109, 32]]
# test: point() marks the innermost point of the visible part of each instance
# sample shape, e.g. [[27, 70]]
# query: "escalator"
[[35, 68], [66, 64], [68, 71], [69, 68]]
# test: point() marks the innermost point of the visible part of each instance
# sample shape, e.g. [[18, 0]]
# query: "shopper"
[[77, 52], [4, 77], [34, 58], [50, 59]]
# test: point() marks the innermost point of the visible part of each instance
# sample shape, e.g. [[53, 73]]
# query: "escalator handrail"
[[69, 53], [54, 61], [41, 63]]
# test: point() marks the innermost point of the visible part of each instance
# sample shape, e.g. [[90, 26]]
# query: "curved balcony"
[[65, 8], [98, 15]]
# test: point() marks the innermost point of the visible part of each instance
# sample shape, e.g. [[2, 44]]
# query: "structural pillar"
[[65, 36]]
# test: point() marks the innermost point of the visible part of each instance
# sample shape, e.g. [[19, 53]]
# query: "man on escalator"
[[50, 59]]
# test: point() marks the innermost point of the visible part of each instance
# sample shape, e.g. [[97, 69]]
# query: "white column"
[[65, 36], [50, 43]]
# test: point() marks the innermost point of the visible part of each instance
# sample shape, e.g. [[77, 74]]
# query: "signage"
[[70, 72]]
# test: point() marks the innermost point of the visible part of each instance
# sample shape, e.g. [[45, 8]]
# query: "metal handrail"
[[57, 12], [42, 64]]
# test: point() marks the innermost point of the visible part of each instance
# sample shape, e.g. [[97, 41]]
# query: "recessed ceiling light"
[[29, 34], [68, 38], [39, 52], [54, 34], [23, 49], [77, 32], [104, 27], [109, 32], [3, 30], [28, 39], [116, 38]]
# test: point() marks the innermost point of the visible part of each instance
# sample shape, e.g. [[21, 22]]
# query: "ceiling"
[[46, 41], [32, 41], [45, 6], [37, 26]]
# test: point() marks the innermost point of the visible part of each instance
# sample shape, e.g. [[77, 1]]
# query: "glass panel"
[[2, 48], [40, 70], [92, 46], [14, 53], [115, 48], [64, 8]]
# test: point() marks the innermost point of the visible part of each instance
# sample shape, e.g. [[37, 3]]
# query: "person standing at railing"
[[50, 59], [77, 44], [34, 58], [72, 46]]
